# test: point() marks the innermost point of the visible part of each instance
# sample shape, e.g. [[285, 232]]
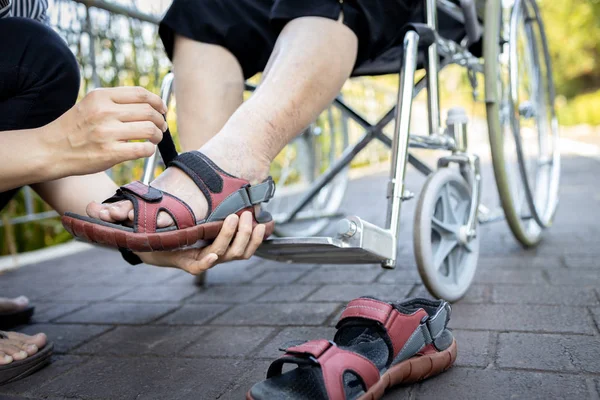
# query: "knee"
[[44, 54]]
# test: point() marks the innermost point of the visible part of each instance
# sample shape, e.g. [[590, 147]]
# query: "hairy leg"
[[312, 59]]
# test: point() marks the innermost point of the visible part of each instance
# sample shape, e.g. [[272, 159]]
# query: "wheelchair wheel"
[[521, 116], [297, 167], [446, 259]]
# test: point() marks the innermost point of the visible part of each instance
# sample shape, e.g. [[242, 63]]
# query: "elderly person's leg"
[[312, 59]]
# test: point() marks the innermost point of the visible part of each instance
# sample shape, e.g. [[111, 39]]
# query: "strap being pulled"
[[166, 147]]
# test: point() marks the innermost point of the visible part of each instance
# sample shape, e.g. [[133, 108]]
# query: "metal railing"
[[115, 45]]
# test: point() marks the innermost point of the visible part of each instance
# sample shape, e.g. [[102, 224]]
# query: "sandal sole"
[[413, 370], [145, 242]]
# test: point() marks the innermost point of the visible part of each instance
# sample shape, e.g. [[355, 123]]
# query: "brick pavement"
[[527, 329]]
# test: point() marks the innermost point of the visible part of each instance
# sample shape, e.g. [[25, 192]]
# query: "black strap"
[[166, 147]]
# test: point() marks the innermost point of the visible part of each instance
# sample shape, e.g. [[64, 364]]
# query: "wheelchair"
[[504, 41]]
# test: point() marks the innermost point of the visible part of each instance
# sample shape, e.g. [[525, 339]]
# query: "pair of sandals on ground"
[[377, 344]]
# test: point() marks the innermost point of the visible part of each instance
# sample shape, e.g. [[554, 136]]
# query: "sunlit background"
[[116, 49]]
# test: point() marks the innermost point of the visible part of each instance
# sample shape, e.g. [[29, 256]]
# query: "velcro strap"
[[262, 192], [400, 327], [200, 169], [437, 323], [148, 193], [313, 348]]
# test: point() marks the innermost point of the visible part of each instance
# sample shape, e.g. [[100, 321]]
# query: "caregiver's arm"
[[91, 137]]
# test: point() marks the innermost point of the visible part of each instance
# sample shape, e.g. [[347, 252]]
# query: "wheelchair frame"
[[360, 242]]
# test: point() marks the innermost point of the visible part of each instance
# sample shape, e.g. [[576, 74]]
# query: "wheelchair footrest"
[[357, 242]]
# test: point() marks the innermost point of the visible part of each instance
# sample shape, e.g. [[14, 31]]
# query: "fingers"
[[242, 238], [140, 130], [223, 240], [141, 112], [258, 235], [133, 95], [133, 150]]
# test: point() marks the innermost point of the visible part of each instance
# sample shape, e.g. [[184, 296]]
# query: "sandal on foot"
[[20, 369], [10, 319], [378, 345], [224, 193]]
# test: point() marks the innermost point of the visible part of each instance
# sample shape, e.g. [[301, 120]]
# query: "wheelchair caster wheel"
[[446, 257]]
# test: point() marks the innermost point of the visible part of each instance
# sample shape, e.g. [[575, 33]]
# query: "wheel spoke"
[[443, 228], [447, 205], [444, 249]]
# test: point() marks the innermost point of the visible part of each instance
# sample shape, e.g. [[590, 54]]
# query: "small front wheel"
[[445, 255]]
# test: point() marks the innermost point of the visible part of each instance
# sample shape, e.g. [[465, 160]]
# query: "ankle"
[[241, 162]]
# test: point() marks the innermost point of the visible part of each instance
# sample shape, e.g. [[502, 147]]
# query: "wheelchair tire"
[[522, 122], [446, 260]]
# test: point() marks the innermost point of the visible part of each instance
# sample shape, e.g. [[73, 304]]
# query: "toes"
[[11, 305], [7, 347], [5, 358], [164, 220], [120, 210], [39, 340]]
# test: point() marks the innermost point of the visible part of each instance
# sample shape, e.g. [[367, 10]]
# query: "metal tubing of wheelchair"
[[346, 158], [433, 93], [151, 162], [401, 137]]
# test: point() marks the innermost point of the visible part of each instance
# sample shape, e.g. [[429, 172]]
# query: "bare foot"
[[11, 305], [176, 182], [16, 346]]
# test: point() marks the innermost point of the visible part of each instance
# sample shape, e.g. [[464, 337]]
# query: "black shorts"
[[249, 28]]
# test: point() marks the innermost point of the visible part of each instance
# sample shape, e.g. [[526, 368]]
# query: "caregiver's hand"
[[97, 132]]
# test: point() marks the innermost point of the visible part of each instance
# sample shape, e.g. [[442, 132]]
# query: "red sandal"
[[378, 345], [224, 193]]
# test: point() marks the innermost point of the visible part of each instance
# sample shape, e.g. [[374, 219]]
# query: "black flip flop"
[[11, 319], [20, 369]]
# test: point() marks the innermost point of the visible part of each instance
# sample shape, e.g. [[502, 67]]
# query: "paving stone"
[[118, 313], [138, 275], [476, 294], [66, 337], [277, 314], [473, 348], [522, 318], [523, 260], [476, 384], [46, 312], [284, 276], [146, 378], [271, 349], [403, 276], [583, 277], [549, 352], [287, 293], [228, 342], [596, 314], [60, 365], [343, 274], [86, 293], [159, 294], [345, 293], [559, 295], [34, 292], [143, 340], [254, 374], [504, 275], [193, 314], [582, 261], [228, 294]]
